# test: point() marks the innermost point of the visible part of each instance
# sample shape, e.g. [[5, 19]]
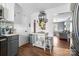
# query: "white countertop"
[[9, 34]]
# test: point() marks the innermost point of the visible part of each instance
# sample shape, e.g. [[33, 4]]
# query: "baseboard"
[[24, 44]]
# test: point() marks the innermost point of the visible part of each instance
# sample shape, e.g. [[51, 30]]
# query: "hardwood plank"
[[60, 48]]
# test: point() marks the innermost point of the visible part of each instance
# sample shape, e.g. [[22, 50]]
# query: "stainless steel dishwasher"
[[3, 47]]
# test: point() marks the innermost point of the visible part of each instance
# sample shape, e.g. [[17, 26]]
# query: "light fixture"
[[42, 16], [42, 19]]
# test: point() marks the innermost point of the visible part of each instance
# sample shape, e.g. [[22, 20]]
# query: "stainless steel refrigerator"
[[75, 27]]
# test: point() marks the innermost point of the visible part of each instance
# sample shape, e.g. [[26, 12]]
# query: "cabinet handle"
[[2, 40]]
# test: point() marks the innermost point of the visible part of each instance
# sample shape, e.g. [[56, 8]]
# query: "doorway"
[[62, 26]]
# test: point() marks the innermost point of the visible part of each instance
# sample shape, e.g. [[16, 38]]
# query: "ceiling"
[[30, 8], [66, 16]]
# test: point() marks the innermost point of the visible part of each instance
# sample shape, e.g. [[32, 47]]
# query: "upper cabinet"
[[8, 11], [1, 12]]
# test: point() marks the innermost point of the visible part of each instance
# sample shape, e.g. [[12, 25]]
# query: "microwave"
[[1, 12]]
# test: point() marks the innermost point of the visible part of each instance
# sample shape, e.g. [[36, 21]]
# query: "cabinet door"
[[13, 45], [34, 38], [41, 38], [9, 45], [3, 46]]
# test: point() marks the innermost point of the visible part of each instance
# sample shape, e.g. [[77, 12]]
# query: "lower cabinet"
[[39, 40], [3, 46], [13, 44]]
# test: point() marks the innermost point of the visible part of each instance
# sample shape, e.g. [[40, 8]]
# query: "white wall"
[[21, 24], [50, 15], [23, 36], [49, 25], [8, 11]]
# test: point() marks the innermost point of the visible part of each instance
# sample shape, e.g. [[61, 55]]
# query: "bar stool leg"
[[44, 46], [50, 46]]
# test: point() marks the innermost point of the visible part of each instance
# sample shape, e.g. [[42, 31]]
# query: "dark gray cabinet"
[[3, 46], [13, 44]]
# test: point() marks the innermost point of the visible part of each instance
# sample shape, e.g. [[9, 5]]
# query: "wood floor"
[[60, 48]]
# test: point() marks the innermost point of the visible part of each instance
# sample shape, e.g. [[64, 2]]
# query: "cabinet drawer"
[[14, 37]]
